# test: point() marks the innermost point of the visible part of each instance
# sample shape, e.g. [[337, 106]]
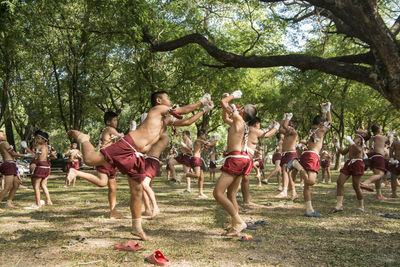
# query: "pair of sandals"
[[156, 258]]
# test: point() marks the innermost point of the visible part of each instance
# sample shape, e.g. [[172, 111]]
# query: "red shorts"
[[260, 164], [394, 168], [310, 161], [377, 161], [275, 157], [73, 165], [238, 166], [325, 163], [288, 156], [152, 167], [184, 159], [42, 169], [213, 165], [107, 169], [355, 169], [9, 168], [196, 162], [123, 155]]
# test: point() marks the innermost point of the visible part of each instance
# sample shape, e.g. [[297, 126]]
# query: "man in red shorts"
[[394, 165], [309, 159], [183, 158], [73, 155], [237, 163], [197, 163], [288, 129], [127, 153], [376, 161], [276, 160], [9, 169], [325, 156], [213, 161], [354, 166]]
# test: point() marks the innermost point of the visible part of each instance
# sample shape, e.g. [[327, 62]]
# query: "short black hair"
[[156, 95], [375, 128], [43, 135], [254, 121], [109, 115], [186, 132], [318, 119], [200, 132], [37, 132], [250, 112]]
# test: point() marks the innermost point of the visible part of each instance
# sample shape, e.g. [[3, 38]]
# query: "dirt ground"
[[189, 230]]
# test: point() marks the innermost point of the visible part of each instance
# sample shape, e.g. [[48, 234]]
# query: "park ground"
[[76, 230]]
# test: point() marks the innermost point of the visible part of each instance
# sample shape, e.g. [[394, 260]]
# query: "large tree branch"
[[300, 61], [395, 29]]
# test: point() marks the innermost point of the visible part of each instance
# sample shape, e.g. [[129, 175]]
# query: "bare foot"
[[9, 204], [116, 215], [236, 229], [49, 203], [294, 197], [259, 185], [394, 196], [147, 213], [202, 196], [155, 213], [71, 175], [281, 195], [78, 136], [279, 188], [141, 235]]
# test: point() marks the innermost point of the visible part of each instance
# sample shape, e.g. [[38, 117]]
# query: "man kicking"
[[276, 160], [237, 163], [376, 161], [196, 162], [309, 160], [354, 166], [126, 154]]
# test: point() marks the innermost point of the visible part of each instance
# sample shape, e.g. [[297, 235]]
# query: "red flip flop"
[[366, 187], [158, 258], [130, 245]]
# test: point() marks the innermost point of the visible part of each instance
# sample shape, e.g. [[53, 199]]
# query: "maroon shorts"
[[9, 168], [288, 156], [196, 162], [123, 155], [310, 161], [238, 166], [184, 159], [376, 161], [325, 163], [355, 169], [212, 164], [394, 168], [167, 167], [42, 169], [73, 165], [275, 157], [260, 164], [107, 169], [152, 167]]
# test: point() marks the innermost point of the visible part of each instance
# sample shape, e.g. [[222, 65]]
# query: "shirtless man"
[[213, 163], [394, 164], [288, 129], [238, 163], [258, 165], [73, 162], [300, 148], [42, 168], [9, 169], [276, 160], [196, 162], [325, 156], [376, 161], [127, 155], [354, 166], [106, 174], [170, 156], [152, 167], [183, 158], [308, 166], [255, 134]]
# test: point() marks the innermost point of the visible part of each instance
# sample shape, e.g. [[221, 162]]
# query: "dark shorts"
[[42, 169], [184, 159], [196, 162], [288, 156], [9, 168], [355, 169], [275, 157], [107, 169], [325, 163], [376, 161], [126, 157], [238, 166], [310, 161], [152, 167], [213, 165], [72, 165]]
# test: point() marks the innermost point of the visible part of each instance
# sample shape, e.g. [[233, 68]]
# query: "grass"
[[188, 231]]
